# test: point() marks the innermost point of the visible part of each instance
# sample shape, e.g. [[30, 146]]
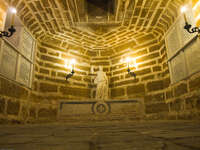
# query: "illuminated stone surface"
[[66, 31], [159, 135]]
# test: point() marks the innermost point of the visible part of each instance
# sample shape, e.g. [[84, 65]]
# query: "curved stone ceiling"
[[98, 25]]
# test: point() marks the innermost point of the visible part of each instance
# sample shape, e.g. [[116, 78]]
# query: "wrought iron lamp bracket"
[[191, 29], [8, 33], [70, 75], [131, 73]]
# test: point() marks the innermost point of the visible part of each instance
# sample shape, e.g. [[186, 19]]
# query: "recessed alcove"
[[48, 71], [60, 31]]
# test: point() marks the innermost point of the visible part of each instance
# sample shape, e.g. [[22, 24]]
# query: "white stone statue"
[[102, 85]]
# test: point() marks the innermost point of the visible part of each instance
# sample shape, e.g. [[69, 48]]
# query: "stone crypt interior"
[[52, 50]]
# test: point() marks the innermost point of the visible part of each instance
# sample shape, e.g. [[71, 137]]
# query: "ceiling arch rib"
[[76, 20]]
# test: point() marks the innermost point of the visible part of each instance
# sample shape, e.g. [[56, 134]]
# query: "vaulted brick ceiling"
[[102, 24]]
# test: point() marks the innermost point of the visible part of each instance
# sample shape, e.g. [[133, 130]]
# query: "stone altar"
[[95, 109]]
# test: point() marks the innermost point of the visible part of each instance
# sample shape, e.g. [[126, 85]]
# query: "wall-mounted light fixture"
[[188, 26], [11, 30], [71, 65], [130, 63]]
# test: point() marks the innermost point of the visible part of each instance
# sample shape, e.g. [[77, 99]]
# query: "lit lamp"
[[188, 26], [71, 66], [128, 61], [11, 30]]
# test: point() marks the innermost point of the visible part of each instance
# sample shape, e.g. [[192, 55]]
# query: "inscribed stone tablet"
[[76, 109], [178, 68], [173, 41], [192, 54], [24, 71], [8, 61], [27, 45]]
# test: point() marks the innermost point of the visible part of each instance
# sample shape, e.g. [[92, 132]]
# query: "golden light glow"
[[197, 18], [73, 61], [70, 64], [136, 66], [196, 8], [183, 9], [131, 62], [196, 5], [128, 59], [70, 67], [13, 10]]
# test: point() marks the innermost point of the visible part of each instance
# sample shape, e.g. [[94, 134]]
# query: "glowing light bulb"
[[128, 59], [70, 67], [73, 61], [183, 9], [13, 10]]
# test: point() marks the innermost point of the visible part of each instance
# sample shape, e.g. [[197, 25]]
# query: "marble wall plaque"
[[192, 54], [8, 61], [111, 108], [27, 45], [173, 40], [24, 71], [178, 68], [177, 37], [16, 53], [76, 109], [125, 108]]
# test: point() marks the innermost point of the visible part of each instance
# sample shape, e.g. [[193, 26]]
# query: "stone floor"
[[145, 135]]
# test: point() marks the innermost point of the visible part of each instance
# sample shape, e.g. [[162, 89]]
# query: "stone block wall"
[[50, 72], [16, 101], [17, 104], [183, 97], [173, 101], [11, 94], [152, 76], [155, 99], [162, 99]]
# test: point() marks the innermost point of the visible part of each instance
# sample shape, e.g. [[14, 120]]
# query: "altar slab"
[[111, 108]]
